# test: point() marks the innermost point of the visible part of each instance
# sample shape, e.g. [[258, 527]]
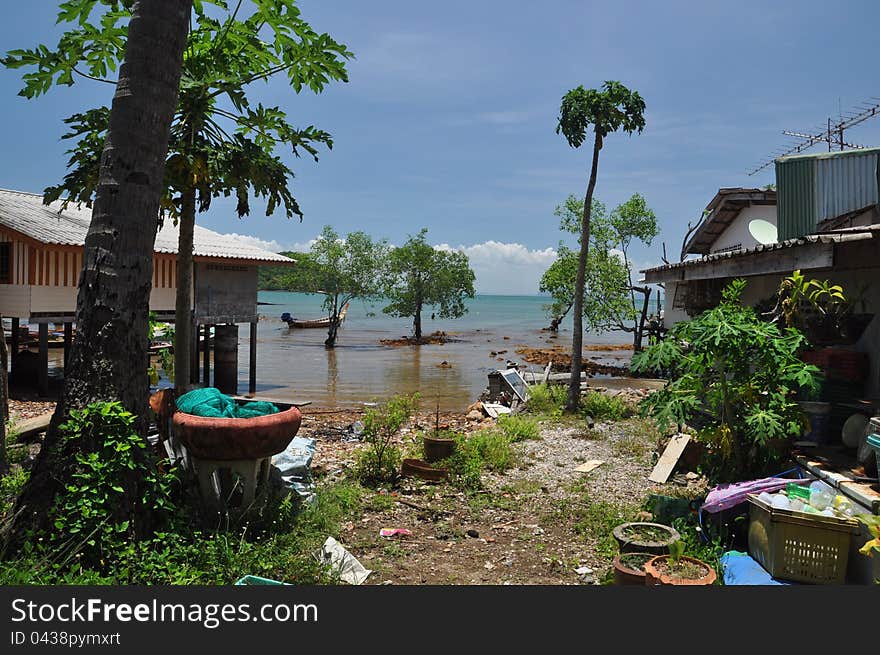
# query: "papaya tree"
[[604, 111], [223, 141]]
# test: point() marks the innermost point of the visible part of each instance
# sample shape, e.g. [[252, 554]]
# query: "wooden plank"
[[33, 426], [669, 458], [43, 374], [495, 409], [252, 364], [590, 465]]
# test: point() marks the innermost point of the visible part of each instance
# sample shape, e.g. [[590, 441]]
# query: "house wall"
[[737, 233]]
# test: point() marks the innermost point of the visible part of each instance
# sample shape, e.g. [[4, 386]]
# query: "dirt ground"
[[541, 522]]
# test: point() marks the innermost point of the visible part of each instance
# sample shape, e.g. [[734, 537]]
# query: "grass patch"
[[629, 445], [490, 450], [519, 428], [602, 407], [547, 400], [286, 552]]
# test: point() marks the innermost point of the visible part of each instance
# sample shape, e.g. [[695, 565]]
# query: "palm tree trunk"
[[183, 324], [109, 357], [577, 339]]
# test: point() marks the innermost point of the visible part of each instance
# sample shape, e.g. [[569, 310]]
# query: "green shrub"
[[379, 462], [96, 511], [484, 450], [547, 399], [519, 428], [602, 407], [734, 378]]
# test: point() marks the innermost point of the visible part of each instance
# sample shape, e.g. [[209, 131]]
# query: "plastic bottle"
[[843, 506], [821, 495], [796, 504], [780, 501]]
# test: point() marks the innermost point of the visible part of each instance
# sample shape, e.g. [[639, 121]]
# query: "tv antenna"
[[830, 134]]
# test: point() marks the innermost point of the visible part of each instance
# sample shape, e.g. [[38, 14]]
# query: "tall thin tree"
[[607, 110]]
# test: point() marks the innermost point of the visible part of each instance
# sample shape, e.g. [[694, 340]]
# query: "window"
[[5, 263]]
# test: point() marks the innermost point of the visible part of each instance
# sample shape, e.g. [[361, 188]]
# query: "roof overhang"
[[815, 251], [723, 209]]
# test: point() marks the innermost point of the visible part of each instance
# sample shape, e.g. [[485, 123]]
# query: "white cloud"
[[506, 268], [272, 246]]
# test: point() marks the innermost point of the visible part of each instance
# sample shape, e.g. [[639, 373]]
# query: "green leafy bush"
[[88, 514], [547, 399], [603, 407], [519, 428], [379, 462], [734, 378]]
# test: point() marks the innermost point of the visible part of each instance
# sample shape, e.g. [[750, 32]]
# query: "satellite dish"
[[763, 231]]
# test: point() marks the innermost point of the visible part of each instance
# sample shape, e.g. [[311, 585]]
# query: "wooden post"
[[252, 375], [194, 356], [206, 357], [68, 339], [43, 373], [641, 327], [226, 358], [13, 355]]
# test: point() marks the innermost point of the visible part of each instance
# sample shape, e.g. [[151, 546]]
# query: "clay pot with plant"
[[645, 537], [678, 569], [629, 568]]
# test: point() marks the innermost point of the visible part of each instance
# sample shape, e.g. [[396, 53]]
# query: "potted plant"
[[440, 445], [645, 537], [629, 568], [677, 569]]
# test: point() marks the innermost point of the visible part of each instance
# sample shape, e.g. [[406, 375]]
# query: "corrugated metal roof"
[[26, 213], [821, 186], [836, 236]]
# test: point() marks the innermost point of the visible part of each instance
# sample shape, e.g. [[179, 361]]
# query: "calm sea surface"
[[293, 364]]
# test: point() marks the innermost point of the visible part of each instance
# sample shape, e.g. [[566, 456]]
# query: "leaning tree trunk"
[[183, 324], [109, 357], [4, 401], [577, 339]]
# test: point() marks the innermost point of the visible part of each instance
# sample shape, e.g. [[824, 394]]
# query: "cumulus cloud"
[[505, 268], [271, 246]]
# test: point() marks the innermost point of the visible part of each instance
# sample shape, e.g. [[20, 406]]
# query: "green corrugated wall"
[[795, 198]]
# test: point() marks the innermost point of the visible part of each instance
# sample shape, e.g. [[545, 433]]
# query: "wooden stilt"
[[252, 377], [43, 380], [68, 339], [206, 357], [13, 354]]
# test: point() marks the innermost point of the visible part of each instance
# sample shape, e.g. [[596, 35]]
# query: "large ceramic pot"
[[658, 572], [237, 438]]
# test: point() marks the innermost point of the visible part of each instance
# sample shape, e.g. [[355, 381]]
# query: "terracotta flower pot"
[[437, 448], [420, 469], [237, 438], [626, 572], [656, 574]]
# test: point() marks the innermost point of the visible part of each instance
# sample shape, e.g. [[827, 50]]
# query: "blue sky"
[[448, 121]]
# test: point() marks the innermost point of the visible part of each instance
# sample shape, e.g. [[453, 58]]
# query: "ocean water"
[[294, 365]]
